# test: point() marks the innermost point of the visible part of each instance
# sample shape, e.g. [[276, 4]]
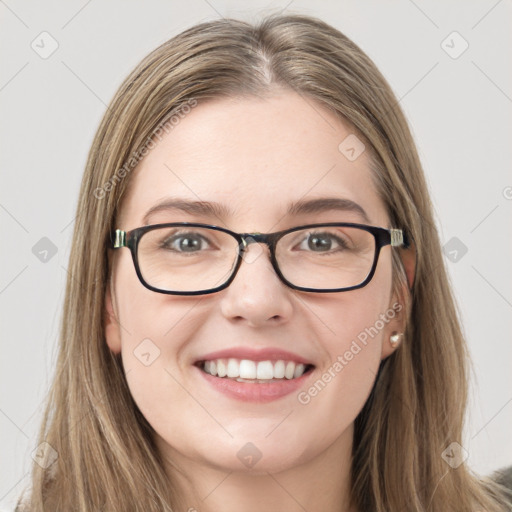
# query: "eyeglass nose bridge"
[[253, 238], [268, 239], [257, 238]]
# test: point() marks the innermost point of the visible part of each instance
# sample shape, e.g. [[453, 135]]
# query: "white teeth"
[[233, 368], [290, 370], [279, 369], [299, 370], [251, 370], [264, 370], [247, 369], [221, 368]]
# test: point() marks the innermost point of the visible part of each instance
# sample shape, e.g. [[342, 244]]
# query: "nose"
[[257, 296]]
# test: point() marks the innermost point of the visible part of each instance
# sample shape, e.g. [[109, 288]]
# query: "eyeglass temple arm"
[[399, 238], [118, 238]]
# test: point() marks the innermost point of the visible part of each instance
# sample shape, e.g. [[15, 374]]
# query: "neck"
[[321, 483]]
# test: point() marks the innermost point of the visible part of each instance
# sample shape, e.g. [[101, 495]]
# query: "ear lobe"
[[111, 324], [387, 347], [395, 325]]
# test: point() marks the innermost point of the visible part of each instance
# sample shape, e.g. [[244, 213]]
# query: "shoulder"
[[503, 477]]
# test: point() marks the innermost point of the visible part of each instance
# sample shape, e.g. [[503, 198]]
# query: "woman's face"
[[254, 158]]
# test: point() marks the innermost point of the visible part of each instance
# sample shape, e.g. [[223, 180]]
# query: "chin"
[[249, 460]]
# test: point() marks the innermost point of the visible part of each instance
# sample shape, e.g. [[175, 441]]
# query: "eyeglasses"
[[185, 258]]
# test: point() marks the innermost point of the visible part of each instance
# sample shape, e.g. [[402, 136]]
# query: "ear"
[[398, 304], [111, 323], [408, 257]]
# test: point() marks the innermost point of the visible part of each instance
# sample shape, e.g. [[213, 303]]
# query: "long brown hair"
[[98, 451]]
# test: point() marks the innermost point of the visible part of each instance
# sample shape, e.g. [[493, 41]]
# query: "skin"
[[254, 156]]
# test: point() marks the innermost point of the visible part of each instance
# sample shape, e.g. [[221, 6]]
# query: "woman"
[[257, 316]]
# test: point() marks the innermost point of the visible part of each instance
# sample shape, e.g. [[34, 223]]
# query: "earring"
[[395, 338]]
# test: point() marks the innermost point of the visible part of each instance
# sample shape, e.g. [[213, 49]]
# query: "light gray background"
[[459, 110]]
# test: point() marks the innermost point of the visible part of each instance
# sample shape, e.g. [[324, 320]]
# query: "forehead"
[[255, 157]]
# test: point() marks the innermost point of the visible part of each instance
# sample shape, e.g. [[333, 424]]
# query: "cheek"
[[343, 385], [155, 329], [152, 346], [148, 317], [352, 333]]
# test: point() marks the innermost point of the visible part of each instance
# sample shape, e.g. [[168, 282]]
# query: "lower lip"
[[255, 392]]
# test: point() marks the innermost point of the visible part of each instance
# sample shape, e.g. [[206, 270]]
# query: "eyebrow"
[[213, 209], [204, 208], [325, 204]]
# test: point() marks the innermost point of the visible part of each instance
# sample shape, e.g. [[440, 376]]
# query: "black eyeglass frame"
[[383, 237]]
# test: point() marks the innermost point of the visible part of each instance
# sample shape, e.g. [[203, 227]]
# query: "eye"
[[185, 242], [322, 242]]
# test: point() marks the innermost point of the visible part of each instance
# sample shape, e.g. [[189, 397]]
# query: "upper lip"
[[265, 354]]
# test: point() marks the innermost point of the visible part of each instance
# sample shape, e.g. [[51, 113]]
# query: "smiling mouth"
[[246, 370]]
